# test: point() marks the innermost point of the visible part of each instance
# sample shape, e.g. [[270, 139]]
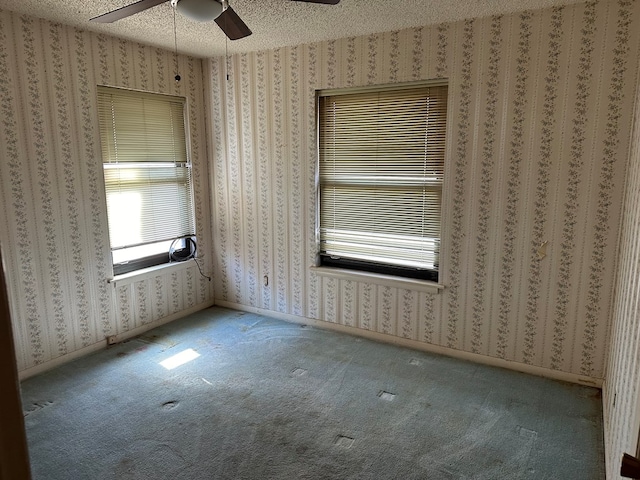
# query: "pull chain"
[[175, 42], [226, 53]]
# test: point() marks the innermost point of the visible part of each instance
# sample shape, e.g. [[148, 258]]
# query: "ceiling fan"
[[201, 10]]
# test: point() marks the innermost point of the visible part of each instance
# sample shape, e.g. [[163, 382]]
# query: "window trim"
[[149, 272], [392, 281], [140, 263], [379, 268], [431, 280], [332, 92]]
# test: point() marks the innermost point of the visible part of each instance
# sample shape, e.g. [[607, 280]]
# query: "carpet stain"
[[206, 342], [163, 340], [145, 457], [525, 432], [386, 396], [170, 405], [343, 441], [447, 474], [37, 406]]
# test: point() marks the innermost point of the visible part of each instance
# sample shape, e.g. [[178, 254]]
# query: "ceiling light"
[[200, 10]]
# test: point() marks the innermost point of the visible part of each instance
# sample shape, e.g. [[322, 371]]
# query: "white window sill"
[[145, 273], [379, 279]]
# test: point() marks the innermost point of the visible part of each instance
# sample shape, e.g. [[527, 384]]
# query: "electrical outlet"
[[112, 340], [542, 250]]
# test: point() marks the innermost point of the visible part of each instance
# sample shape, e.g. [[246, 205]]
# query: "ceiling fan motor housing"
[[199, 10]]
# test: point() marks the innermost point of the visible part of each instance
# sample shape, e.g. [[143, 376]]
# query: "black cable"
[[188, 252], [192, 247], [200, 270]]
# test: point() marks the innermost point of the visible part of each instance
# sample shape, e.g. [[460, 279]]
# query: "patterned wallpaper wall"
[[538, 138], [622, 386], [53, 227]]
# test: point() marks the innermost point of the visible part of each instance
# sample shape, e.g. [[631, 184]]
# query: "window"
[[147, 176], [381, 171]]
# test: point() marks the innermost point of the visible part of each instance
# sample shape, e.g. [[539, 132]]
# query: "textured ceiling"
[[275, 23]]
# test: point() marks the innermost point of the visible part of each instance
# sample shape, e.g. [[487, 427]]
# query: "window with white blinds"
[[381, 173], [147, 175]]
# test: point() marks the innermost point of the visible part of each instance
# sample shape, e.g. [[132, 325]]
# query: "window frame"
[[163, 258], [374, 267]]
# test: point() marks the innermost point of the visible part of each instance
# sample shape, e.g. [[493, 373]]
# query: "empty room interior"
[[379, 239]]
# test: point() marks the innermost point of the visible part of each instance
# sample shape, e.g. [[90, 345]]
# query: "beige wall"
[[539, 130], [622, 385], [53, 226], [540, 108]]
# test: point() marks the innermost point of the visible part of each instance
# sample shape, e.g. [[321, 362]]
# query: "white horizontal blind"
[[381, 172], [146, 169], [141, 127]]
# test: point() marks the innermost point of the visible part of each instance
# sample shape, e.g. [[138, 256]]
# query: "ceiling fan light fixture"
[[199, 10]]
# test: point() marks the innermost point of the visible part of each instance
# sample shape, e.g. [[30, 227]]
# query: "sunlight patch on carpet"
[[180, 359]]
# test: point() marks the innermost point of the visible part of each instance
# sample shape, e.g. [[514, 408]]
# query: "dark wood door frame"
[[14, 458]]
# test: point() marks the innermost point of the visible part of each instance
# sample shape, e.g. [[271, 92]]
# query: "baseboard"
[[426, 347], [43, 367]]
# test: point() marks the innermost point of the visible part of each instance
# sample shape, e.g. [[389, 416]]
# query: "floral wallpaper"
[[538, 136], [621, 398], [54, 233]]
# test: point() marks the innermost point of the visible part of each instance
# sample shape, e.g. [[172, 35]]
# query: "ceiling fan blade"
[[324, 2], [123, 12], [232, 25]]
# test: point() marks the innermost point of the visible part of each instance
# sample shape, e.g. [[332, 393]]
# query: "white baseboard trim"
[[43, 367], [425, 347]]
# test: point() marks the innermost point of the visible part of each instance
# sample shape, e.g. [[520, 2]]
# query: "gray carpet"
[[266, 399]]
